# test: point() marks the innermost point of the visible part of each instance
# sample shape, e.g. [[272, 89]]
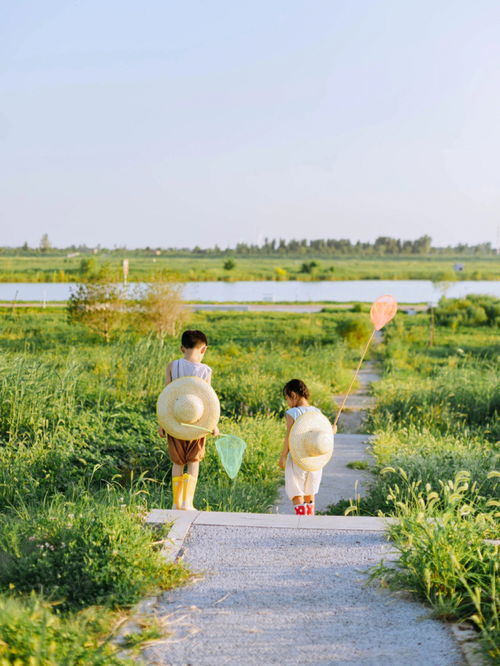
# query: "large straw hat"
[[188, 400], [311, 441]]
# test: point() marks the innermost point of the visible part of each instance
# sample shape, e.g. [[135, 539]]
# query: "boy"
[[183, 452]]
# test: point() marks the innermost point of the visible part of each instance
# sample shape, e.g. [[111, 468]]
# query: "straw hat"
[[188, 400], [311, 441]]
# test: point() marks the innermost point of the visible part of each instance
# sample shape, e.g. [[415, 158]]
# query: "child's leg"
[[177, 486], [298, 505], [177, 470], [190, 480], [309, 504]]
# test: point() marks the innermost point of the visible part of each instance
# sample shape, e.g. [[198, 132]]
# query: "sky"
[[177, 124]]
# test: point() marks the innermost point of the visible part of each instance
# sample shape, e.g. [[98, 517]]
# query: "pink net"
[[383, 310]]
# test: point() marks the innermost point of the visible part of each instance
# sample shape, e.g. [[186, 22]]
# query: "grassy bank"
[[185, 269], [437, 452], [81, 461]]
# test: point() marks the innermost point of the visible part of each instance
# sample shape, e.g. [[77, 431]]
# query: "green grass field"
[[81, 461], [184, 269]]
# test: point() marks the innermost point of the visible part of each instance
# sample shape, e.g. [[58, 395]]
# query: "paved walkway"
[[271, 593]]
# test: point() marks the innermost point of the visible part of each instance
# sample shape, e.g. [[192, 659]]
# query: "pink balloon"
[[383, 310]]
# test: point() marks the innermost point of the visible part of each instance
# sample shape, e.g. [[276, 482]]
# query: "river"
[[405, 291]]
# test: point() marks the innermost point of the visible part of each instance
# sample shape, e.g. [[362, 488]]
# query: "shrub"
[[354, 331], [159, 310], [99, 306], [80, 553], [475, 310], [229, 264]]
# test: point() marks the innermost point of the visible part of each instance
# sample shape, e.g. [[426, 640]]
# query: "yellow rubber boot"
[[189, 483], [177, 492]]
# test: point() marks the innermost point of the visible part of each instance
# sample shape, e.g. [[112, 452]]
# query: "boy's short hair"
[[193, 338], [296, 386]]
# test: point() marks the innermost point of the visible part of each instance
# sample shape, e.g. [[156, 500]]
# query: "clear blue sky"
[[201, 122]]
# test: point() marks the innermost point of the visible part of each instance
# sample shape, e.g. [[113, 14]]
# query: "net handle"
[[354, 378], [190, 425]]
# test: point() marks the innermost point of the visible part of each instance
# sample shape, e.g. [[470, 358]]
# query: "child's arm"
[[284, 451]]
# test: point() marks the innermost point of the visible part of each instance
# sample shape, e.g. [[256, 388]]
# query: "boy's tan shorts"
[[182, 452]]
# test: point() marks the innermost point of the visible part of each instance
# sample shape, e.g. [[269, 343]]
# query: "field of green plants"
[[192, 268], [438, 462], [81, 461]]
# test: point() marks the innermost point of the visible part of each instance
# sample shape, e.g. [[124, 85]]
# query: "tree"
[[45, 243], [159, 310], [229, 264], [99, 306]]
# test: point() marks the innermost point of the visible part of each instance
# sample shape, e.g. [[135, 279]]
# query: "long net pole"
[[354, 377]]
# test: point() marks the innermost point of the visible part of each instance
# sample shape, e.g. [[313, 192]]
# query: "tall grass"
[[437, 452], [445, 555]]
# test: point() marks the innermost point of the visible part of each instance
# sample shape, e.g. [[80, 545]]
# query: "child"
[[300, 486], [182, 452]]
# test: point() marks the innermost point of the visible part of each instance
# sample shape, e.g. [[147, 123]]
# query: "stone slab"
[[183, 520]]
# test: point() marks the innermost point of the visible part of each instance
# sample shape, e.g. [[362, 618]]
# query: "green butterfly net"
[[231, 450]]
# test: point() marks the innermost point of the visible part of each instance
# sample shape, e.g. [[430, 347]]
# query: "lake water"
[[405, 291]]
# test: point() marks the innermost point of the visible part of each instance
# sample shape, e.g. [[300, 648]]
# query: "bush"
[[475, 310], [354, 331], [82, 553], [159, 310], [229, 264], [99, 306]]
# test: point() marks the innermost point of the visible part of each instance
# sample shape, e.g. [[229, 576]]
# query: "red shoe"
[[300, 509], [310, 509]]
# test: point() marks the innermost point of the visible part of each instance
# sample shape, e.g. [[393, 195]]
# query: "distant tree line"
[[321, 247]]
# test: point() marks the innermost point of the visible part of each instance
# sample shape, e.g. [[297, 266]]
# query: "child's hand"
[[282, 461], [216, 432], [334, 429], [162, 432]]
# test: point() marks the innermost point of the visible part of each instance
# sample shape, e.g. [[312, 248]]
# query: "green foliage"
[[98, 305], [31, 632], [229, 264], [55, 266], [475, 310], [308, 267], [444, 558], [437, 429], [355, 331], [81, 553]]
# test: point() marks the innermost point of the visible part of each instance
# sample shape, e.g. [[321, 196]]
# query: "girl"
[[300, 486]]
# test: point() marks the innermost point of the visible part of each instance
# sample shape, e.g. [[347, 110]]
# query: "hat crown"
[[188, 408], [317, 442]]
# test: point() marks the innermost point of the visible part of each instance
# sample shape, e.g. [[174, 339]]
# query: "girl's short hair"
[[296, 386]]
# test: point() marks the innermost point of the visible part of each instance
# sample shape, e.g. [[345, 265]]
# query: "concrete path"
[[276, 594]]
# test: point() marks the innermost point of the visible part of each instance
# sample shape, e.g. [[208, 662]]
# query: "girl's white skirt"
[[299, 482]]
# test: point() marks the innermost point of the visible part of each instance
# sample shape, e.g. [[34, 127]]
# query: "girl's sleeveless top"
[[295, 412], [183, 368]]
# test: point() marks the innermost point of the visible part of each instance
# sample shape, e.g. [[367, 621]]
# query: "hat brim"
[[313, 420], [165, 408]]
